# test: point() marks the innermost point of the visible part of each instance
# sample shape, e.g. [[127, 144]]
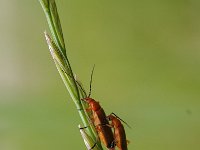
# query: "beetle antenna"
[[77, 82], [91, 81], [121, 120], [81, 87]]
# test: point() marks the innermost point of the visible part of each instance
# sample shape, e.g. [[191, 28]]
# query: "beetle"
[[101, 123], [99, 119], [119, 131]]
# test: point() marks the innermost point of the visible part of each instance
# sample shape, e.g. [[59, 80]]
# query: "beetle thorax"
[[116, 122], [94, 105]]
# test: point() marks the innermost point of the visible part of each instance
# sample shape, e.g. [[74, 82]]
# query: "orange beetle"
[[119, 132], [99, 119], [101, 123]]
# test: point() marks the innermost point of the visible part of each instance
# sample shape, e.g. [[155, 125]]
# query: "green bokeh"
[[147, 56]]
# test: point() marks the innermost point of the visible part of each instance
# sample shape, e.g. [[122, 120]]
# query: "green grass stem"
[[58, 52]]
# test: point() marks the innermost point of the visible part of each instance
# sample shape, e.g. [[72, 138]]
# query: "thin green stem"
[[58, 52], [59, 62]]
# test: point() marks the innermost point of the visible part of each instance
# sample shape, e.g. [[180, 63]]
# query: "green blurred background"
[[147, 56]]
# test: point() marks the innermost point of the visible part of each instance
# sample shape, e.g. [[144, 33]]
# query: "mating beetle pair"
[[104, 124], [103, 127]]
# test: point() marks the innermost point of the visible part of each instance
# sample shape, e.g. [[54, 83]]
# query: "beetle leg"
[[81, 128], [113, 144], [86, 137], [93, 146], [110, 125], [88, 109]]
